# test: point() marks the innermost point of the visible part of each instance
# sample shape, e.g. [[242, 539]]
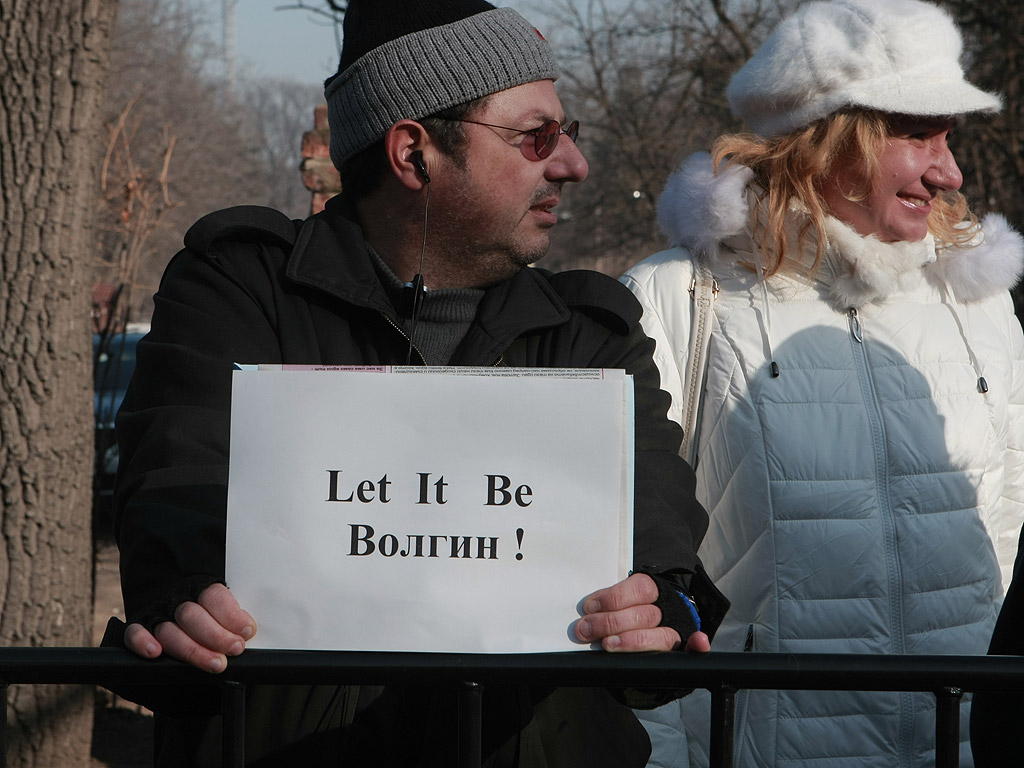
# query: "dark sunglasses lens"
[[546, 138], [572, 130]]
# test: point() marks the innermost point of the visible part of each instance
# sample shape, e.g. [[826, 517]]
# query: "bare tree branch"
[[647, 78]]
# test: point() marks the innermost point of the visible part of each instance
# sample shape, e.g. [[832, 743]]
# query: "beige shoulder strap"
[[703, 292]]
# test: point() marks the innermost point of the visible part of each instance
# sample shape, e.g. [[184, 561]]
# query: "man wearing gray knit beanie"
[[453, 149]]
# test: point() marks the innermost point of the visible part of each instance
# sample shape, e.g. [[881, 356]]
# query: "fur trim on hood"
[[698, 210], [995, 264]]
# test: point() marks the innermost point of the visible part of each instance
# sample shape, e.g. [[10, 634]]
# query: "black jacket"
[[243, 291], [996, 715]]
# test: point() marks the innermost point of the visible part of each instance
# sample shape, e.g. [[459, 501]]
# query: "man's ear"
[[410, 152]]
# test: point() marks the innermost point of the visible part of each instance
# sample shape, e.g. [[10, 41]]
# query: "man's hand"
[[624, 618], [202, 634]]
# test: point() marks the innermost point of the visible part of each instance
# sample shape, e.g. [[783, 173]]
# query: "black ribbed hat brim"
[[371, 23]]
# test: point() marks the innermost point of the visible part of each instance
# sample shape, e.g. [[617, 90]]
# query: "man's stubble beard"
[[498, 256]]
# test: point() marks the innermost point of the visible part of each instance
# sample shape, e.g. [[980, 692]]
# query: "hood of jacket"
[[703, 211]]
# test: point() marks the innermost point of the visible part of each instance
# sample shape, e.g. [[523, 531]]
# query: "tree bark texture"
[[53, 58]]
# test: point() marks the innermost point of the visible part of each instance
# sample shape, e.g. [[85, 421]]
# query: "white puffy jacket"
[[866, 500]]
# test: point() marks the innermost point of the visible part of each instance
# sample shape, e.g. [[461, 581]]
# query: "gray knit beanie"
[[408, 59]]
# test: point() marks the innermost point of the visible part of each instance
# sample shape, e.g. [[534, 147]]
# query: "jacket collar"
[[331, 255], [862, 269]]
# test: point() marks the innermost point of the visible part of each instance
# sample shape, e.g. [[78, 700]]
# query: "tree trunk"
[[53, 57]]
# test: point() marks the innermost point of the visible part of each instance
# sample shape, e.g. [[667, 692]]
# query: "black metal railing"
[[723, 674]]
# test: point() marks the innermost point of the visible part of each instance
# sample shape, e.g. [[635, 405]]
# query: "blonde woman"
[[859, 419]]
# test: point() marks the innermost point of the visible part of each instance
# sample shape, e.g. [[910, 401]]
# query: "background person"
[[859, 443], [454, 149], [996, 715]]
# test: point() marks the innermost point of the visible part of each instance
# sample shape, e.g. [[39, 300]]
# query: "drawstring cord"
[[949, 301], [766, 311]]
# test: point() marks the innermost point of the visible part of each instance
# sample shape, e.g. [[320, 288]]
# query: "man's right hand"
[[202, 634]]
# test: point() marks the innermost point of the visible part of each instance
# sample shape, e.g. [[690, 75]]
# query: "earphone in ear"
[[414, 290], [417, 159]]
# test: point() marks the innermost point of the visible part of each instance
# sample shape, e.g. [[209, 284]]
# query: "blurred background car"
[[113, 364]]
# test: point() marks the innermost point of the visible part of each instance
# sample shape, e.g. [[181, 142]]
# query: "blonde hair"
[[790, 169]]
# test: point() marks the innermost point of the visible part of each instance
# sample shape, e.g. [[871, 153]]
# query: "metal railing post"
[[470, 723], [232, 707], [723, 712], [947, 727]]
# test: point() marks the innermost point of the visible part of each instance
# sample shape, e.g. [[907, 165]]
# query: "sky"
[[289, 44]]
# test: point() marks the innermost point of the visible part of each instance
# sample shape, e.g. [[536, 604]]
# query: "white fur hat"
[[899, 56]]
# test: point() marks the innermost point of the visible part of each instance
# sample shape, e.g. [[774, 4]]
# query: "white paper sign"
[[453, 510]]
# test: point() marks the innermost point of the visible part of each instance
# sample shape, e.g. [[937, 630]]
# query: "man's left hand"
[[624, 618]]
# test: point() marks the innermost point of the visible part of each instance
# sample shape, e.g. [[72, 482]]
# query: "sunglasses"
[[545, 138]]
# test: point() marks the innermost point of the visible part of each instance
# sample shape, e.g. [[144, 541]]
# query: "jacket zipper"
[[423, 360], [873, 411], [405, 336], [855, 328]]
